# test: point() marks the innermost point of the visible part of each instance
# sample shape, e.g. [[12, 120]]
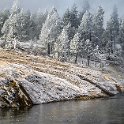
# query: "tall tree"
[[87, 50], [66, 17], [62, 45], [4, 15], [85, 7], [75, 47], [40, 20], [98, 25], [86, 26], [71, 19], [33, 27], [121, 36], [24, 24], [86, 31], [10, 27], [74, 21], [121, 32], [113, 27], [70, 31], [50, 31]]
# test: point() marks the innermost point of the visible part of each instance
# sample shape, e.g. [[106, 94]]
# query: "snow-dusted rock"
[[41, 80]]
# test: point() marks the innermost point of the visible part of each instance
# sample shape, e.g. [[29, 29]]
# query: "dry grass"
[[67, 71], [51, 66], [3, 63]]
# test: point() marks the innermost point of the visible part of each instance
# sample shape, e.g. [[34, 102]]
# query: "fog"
[[61, 5]]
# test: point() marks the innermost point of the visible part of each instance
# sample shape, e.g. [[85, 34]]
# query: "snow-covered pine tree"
[[33, 27], [24, 23], [39, 21], [86, 27], [74, 48], [121, 32], [62, 45], [71, 19], [50, 31], [86, 31], [98, 25], [10, 27], [74, 20], [66, 17], [121, 36], [70, 30], [87, 51], [112, 29], [4, 15], [85, 7]]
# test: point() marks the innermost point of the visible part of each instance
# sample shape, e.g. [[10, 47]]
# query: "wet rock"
[[13, 95]]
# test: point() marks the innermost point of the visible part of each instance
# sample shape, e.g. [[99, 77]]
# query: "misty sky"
[[61, 5]]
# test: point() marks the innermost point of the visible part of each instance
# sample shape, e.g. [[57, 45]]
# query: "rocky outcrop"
[[27, 80], [13, 94]]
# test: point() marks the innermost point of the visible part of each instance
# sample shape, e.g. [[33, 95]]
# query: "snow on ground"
[[46, 80]]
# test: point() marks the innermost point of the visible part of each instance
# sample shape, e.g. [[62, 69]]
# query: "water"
[[101, 111]]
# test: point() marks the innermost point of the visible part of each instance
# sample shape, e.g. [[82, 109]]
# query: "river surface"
[[100, 111]]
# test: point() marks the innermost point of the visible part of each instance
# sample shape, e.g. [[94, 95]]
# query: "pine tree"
[[98, 25], [23, 22], [39, 21], [71, 31], [62, 45], [86, 44], [66, 17], [33, 27], [87, 51], [74, 21], [121, 32], [70, 18], [4, 15], [86, 7], [50, 31], [86, 27], [74, 47], [10, 26], [112, 29], [121, 36]]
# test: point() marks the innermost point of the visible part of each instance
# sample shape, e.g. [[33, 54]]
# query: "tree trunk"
[[88, 60], [49, 49], [76, 58]]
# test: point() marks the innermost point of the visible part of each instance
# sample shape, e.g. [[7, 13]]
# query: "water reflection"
[[103, 111]]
